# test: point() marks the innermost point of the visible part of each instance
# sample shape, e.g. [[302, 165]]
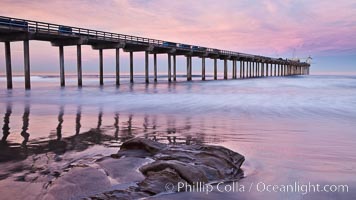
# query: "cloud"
[[260, 27]]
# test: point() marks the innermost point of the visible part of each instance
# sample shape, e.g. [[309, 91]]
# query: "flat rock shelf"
[[142, 168]]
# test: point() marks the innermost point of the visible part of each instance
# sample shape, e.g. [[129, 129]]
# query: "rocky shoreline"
[[143, 168]]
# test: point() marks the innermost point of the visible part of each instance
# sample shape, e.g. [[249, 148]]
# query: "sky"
[[324, 30]]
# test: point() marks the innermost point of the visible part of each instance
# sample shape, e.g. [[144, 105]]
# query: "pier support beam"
[[266, 69], [8, 65], [174, 68], [169, 68], [79, 65], [26, 49], [61, 65], [131, 67], [235, 71], [240, 69], [263, 69], [282, 69], [287, 72], [243, 69], [155, 67], [225, 69], [275, 69], [101, 67], [203, 69], [146, 67], [117, 66], [250, 71], [215, 69], [278, 69], [188, 68], [254, 69], [260, 69]]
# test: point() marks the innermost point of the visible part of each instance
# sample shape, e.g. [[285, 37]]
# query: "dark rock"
[[138, 147], [143, 144], [189, 173], [124, 170], [77, 183], [181, 163], [129, 194], [155, 182], [143, 167]]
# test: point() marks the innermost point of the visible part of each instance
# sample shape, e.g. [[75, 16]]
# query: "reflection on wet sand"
[[26, 122], [6, 127], [116, 125], [77, 120], [80, 141], [60, 122]]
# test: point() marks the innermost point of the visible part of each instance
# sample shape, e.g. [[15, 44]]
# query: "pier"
[[248, 65]]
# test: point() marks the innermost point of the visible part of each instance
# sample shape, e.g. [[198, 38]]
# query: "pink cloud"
[[260, 27]]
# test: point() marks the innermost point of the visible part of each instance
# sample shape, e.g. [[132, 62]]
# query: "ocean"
[[294, 131]]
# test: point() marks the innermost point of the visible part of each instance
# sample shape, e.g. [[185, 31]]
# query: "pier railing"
[[50, 28]]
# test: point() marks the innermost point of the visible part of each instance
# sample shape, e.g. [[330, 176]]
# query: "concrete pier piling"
[[8, 65], [203, 69], [174, 68], [169, 68], [101, 67], [61, 66], [79, 65], [155, 67], [249, 65], [117, 56], [249, 70], [235, 70], [225, 69], [26, 48], [146, 67], [190, 68], [215, 69], [131, 67], [243, 69]]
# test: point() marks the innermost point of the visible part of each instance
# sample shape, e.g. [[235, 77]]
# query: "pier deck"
[[14, 29]]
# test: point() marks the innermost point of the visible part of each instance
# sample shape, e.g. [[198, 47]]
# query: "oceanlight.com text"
[[295, 187]]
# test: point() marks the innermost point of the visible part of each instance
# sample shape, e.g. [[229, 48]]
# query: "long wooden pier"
[[14, 29]]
